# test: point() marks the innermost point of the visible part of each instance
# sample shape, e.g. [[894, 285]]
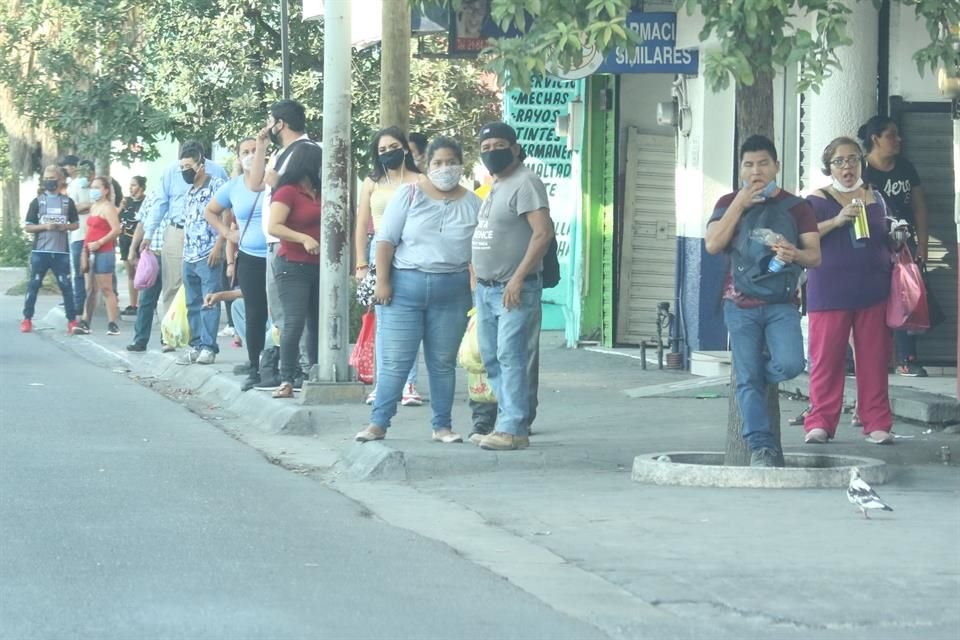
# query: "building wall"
[[907, 34]]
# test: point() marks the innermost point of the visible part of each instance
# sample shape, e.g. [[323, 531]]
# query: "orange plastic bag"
[[362, 357]]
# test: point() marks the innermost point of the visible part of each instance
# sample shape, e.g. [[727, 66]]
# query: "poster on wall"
[[534, 117]]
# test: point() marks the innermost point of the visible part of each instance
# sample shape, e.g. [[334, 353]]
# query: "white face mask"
[[246, 162], [842, 189], [446, 178]]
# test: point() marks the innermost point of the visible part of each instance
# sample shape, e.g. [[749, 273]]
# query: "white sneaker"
[[371, 397], [206, 357], [410, 397], [189, 356], [227, 332]]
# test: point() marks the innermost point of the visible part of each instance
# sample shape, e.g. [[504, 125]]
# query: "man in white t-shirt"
[[285, 129]]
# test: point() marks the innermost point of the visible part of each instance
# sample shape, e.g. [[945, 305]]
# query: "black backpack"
[[750, 260], [551, 266]]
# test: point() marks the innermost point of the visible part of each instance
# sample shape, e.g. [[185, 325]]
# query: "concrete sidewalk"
[[563, 520]]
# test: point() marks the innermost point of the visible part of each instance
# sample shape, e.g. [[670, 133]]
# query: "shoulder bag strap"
[[249, 218]]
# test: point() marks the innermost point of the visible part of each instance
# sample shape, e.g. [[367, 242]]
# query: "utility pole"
[[285, 49], [335, 224], [395, 65]]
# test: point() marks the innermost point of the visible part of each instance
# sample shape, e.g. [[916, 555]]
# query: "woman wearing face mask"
[[392, 165], [423, 287], [128, 225], [103, 227], [246, 250], [848, 291], [897, 179]]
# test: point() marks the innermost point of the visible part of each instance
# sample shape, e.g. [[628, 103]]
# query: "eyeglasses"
[[849, 160]]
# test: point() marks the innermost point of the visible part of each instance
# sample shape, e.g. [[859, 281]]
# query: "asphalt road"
[[122, 515]]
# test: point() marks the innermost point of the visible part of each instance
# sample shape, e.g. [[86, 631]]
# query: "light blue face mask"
[[95, 194], [767, 192], [84, 182]]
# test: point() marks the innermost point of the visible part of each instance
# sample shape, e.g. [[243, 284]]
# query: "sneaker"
[[763, 459], [251, 382], [478, 433], [371, 397], [227, 332], [136, 347], [911, 370], [26, 326], [410, 397], [189, 356], [500, 441], [130, 310], [206, 356], [113, 329], [880, 437], [71, 326], [82, 328], [816, 436]]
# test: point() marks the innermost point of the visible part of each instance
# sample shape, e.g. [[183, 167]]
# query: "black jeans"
[[252, 277], [298, 284]]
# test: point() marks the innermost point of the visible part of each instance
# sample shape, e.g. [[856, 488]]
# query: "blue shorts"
[[103, 262]]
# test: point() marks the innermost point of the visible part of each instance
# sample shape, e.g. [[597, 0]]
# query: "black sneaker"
[[911, 370], [252, 381], [82, 328], [763, 458], [129, 311], [136, 347], [113, 329]]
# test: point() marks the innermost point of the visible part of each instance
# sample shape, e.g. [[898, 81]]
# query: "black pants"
[[252, 277], [298, 284]]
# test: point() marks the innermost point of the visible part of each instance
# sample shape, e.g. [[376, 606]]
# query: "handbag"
[[907, 305], [361, 358], [367, 287]]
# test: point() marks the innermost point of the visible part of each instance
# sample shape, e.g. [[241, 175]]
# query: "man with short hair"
[[762, 315], [285, 129], [513, 234], [418, 149], [51, 216], [81, 175], [168, 217], [202, 252]]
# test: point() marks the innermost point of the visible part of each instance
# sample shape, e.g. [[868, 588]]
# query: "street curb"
[[288, 417]]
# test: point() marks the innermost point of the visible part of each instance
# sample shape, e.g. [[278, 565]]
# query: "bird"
[[862, 495]]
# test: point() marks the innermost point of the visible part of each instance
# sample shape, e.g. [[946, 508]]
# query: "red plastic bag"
[[907, 306], [362, 357]]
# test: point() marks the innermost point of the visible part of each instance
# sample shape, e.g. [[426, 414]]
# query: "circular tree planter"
[[802, 470]]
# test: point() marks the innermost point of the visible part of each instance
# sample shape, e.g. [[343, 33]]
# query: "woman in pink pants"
[[847, 291]]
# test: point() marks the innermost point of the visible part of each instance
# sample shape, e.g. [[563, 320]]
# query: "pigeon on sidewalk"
[[862, 495]]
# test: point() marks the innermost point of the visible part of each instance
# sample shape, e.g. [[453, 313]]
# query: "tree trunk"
[[754, 116], [395, 66], [10, 202]]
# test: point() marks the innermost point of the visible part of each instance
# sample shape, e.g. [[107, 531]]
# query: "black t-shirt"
[[128, 216], [896, 185]]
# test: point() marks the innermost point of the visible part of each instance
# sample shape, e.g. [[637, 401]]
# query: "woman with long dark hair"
[[295, 219], [391, 165], [897, 179]]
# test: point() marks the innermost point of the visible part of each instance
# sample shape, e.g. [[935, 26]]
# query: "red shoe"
[[71, 326], [26, 326]]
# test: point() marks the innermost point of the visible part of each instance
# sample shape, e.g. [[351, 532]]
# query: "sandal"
[[285, 390], [447, 436], [369, 434], [800, 418]]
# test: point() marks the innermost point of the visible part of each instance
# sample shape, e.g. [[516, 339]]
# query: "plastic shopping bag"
[[147, 271], [468, 356], [907, 305], [479, 388], [175, 327], [362, 357]]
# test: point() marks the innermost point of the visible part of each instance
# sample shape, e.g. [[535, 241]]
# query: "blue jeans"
[[378, 340], [505, 340], [429, 308], [143, 327], [199, 279], [40, 263], [776, 327], [79, 281]]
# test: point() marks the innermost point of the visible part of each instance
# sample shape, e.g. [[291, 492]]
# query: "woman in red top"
[[99, 256], [295, 220]]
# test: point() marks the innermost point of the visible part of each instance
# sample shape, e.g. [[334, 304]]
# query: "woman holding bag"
[[246, 251], [849, 291], [423, 287]]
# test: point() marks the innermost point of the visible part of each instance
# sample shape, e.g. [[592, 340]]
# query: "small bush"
[[14, 248]]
